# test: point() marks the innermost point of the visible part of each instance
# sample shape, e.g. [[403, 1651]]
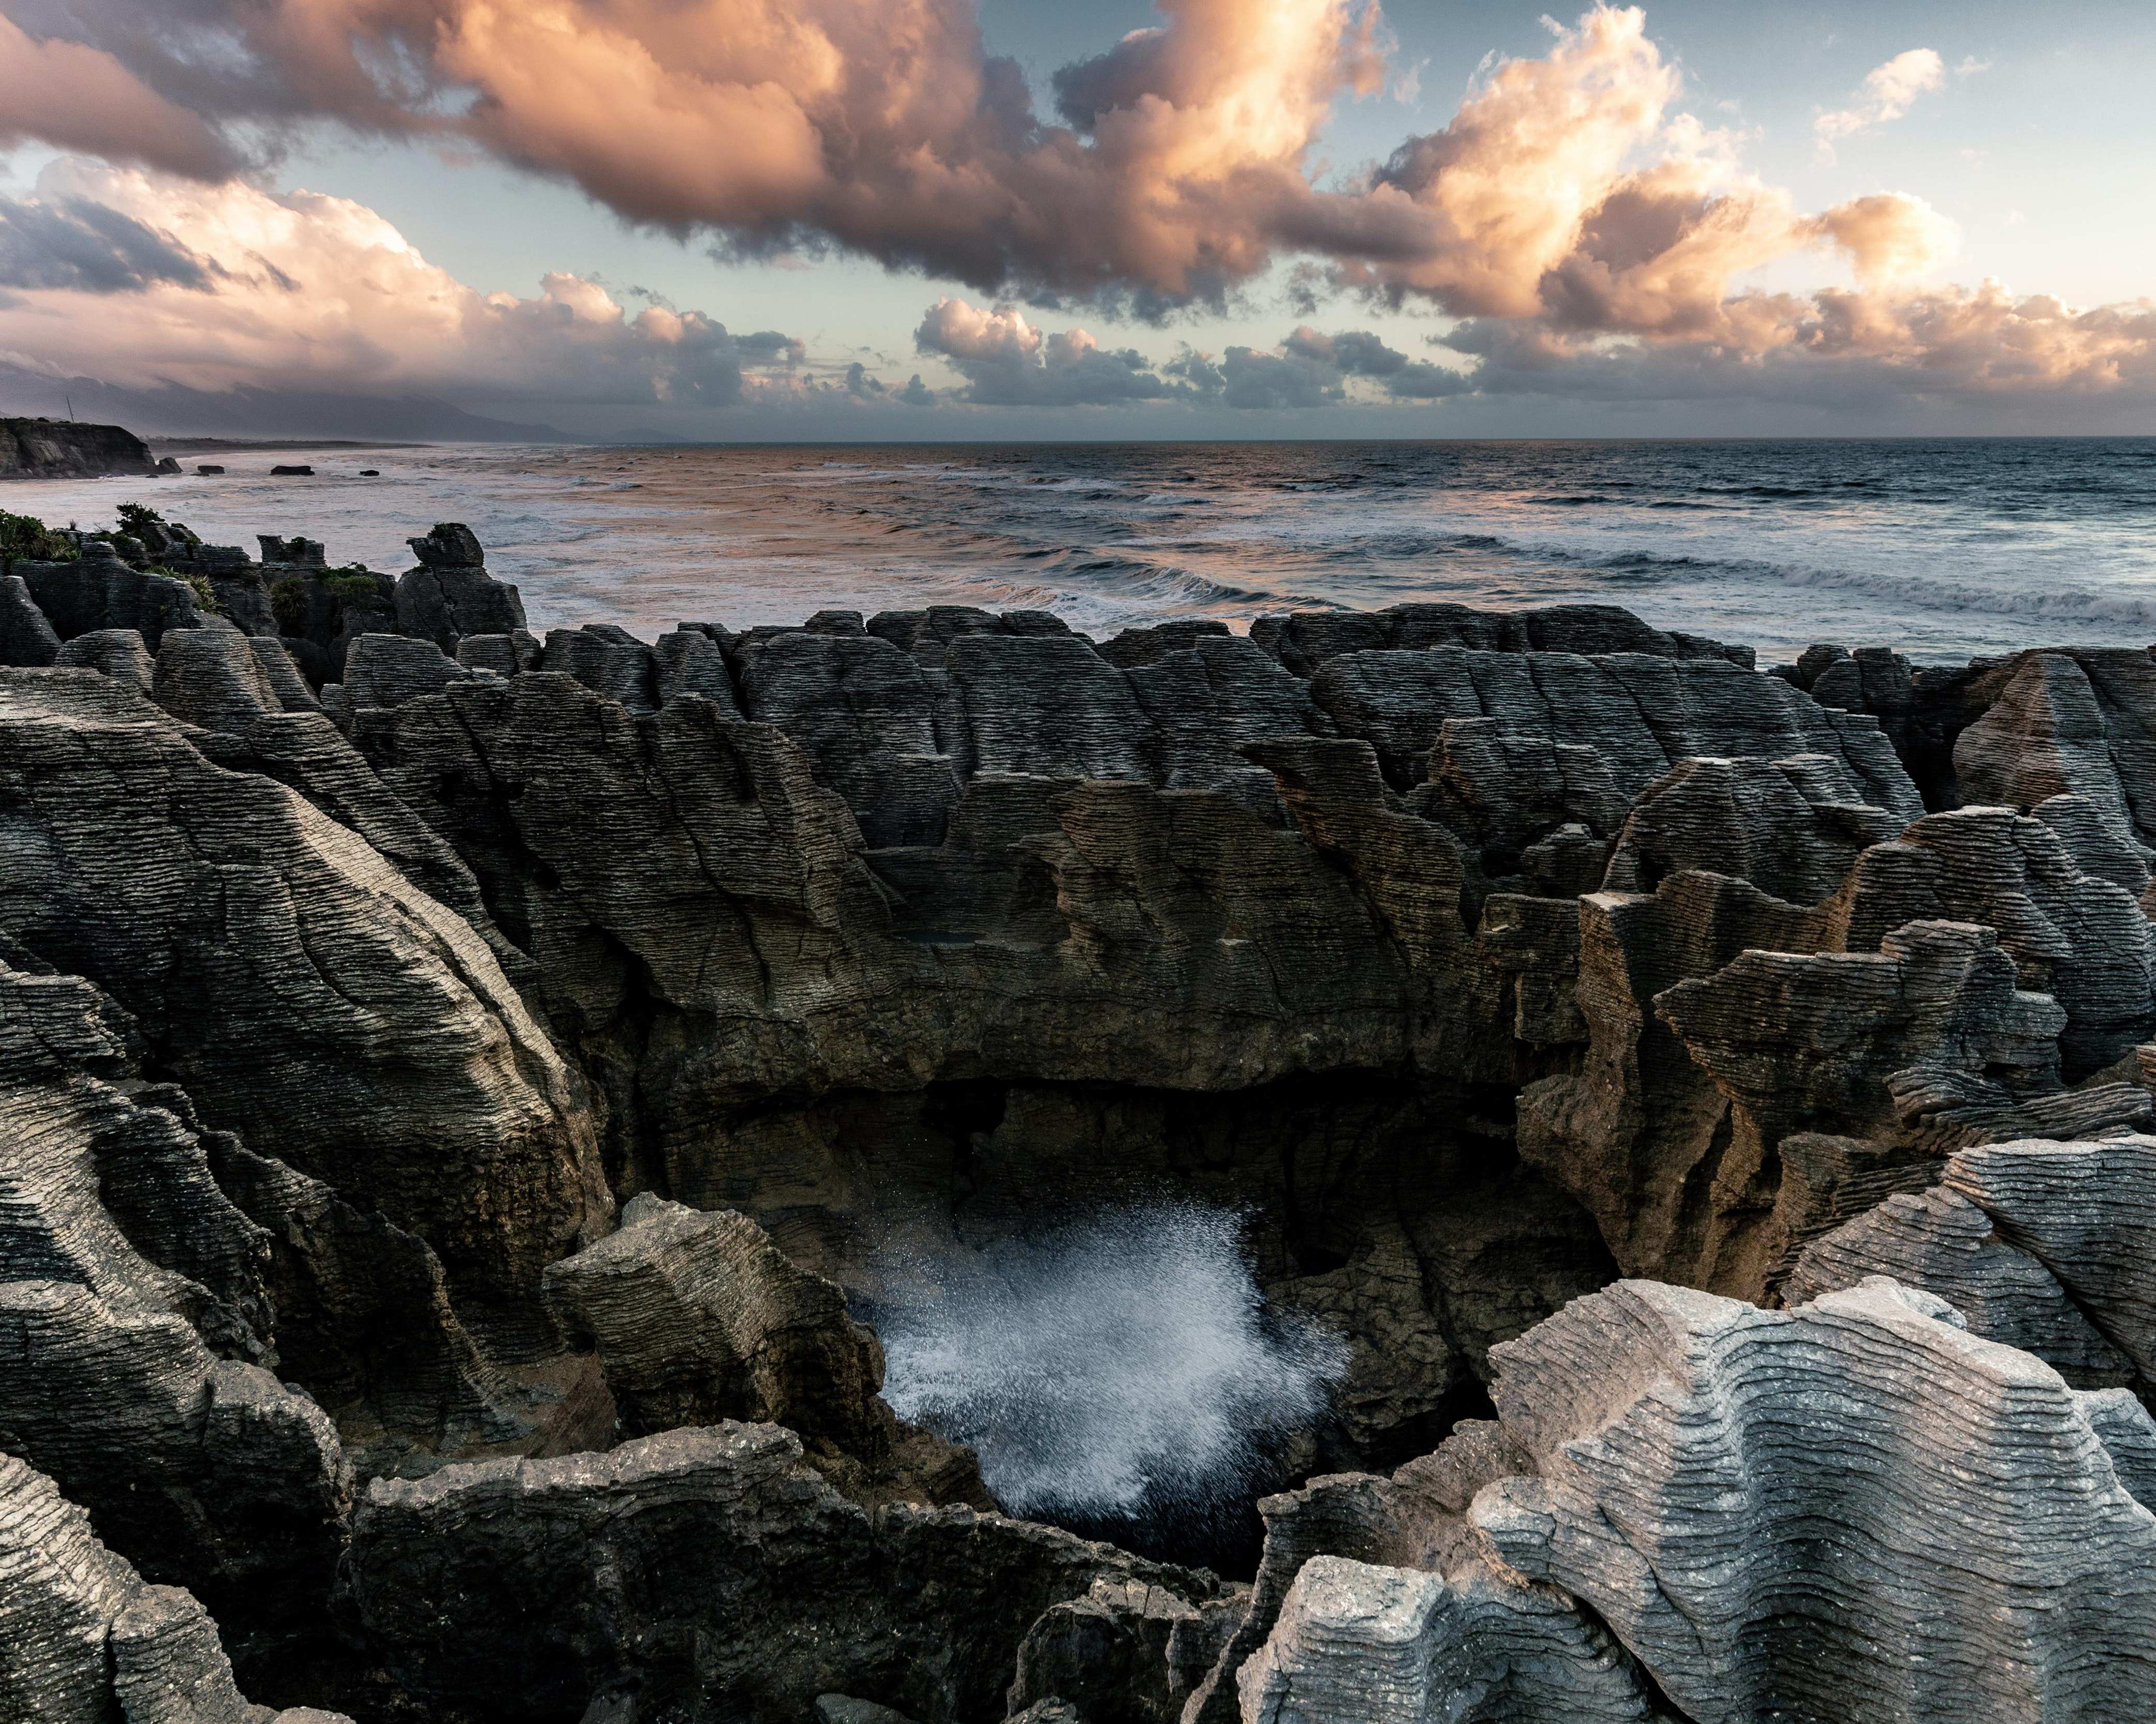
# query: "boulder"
[[699, 1318]]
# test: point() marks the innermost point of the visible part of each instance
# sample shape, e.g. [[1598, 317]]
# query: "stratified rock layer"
[[703, 1562]]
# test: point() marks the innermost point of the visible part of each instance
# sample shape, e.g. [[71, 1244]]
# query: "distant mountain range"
[[172, 409]]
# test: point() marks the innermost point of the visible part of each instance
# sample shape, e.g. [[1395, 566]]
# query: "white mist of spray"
[[1126, 1368]]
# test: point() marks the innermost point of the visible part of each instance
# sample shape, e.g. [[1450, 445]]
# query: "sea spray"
[[1124, 1376]]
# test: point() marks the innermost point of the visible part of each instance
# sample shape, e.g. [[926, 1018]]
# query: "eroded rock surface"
[[498, 1588], [84, 1639], [362, 949]]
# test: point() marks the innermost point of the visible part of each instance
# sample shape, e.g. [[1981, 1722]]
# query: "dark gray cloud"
[[1254, 380], [768, 347], [1007, 361], [78, 244]]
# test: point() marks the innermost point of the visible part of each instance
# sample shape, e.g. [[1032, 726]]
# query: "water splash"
[[1124, 1376]]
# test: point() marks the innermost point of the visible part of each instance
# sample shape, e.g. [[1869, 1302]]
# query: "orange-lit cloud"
[[139, 278], [1588, 233], [1889, 92], [79, 98]]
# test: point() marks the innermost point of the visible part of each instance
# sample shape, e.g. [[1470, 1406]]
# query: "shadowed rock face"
[[359, 952], [82, 1637], [56, 448], [755, 1586]]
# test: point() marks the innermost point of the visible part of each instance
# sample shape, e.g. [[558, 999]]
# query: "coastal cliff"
[[62, 449], [471, 1099]]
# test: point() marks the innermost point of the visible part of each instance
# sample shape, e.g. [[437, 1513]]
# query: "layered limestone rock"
[[706, 1561], [1306, 639], [2043, 1246], [83, 1640], [1360, 1643], [1693, 1503], [1847, 1568], [1471, 956], [122, 1264], [303, 992], [698, 1318], [450, 595], [1760, 1069], [98, 591], [1127, 1652]]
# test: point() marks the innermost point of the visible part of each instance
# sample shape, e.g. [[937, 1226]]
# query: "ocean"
[[1943, 549]]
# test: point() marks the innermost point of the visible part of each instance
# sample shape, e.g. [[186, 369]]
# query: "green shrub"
[[136, 519], [205, 598], [25, 536], [288, 603], [352, 586]]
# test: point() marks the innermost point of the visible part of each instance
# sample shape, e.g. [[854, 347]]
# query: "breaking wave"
[[1124, 1377]]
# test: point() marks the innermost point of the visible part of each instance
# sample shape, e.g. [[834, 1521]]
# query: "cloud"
[[80, 245], [1259, 381], [1586, 231], [1359, 353], [78, 97], [879, 126], [140, 278], [1888, 92], [1840, 348], [1008, 363]]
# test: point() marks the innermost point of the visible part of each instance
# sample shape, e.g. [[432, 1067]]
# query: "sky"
[[935, 219]]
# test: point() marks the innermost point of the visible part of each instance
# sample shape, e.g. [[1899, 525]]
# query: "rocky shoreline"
[[464, 1092], [67, 448]]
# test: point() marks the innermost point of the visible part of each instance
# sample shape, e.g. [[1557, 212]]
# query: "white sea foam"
[[1127, 1369]]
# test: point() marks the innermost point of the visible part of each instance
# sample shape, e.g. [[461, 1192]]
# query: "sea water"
[[1122, 1375], [1940, 548]]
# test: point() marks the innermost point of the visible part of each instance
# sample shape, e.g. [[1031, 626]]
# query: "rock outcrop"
[[304, 993], [82, 1637], [705, 1564], [698, 1318], [65, 449], [361, 950], [1692, 1503]]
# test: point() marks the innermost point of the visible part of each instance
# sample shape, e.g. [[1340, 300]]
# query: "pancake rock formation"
[[470, 1094]]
